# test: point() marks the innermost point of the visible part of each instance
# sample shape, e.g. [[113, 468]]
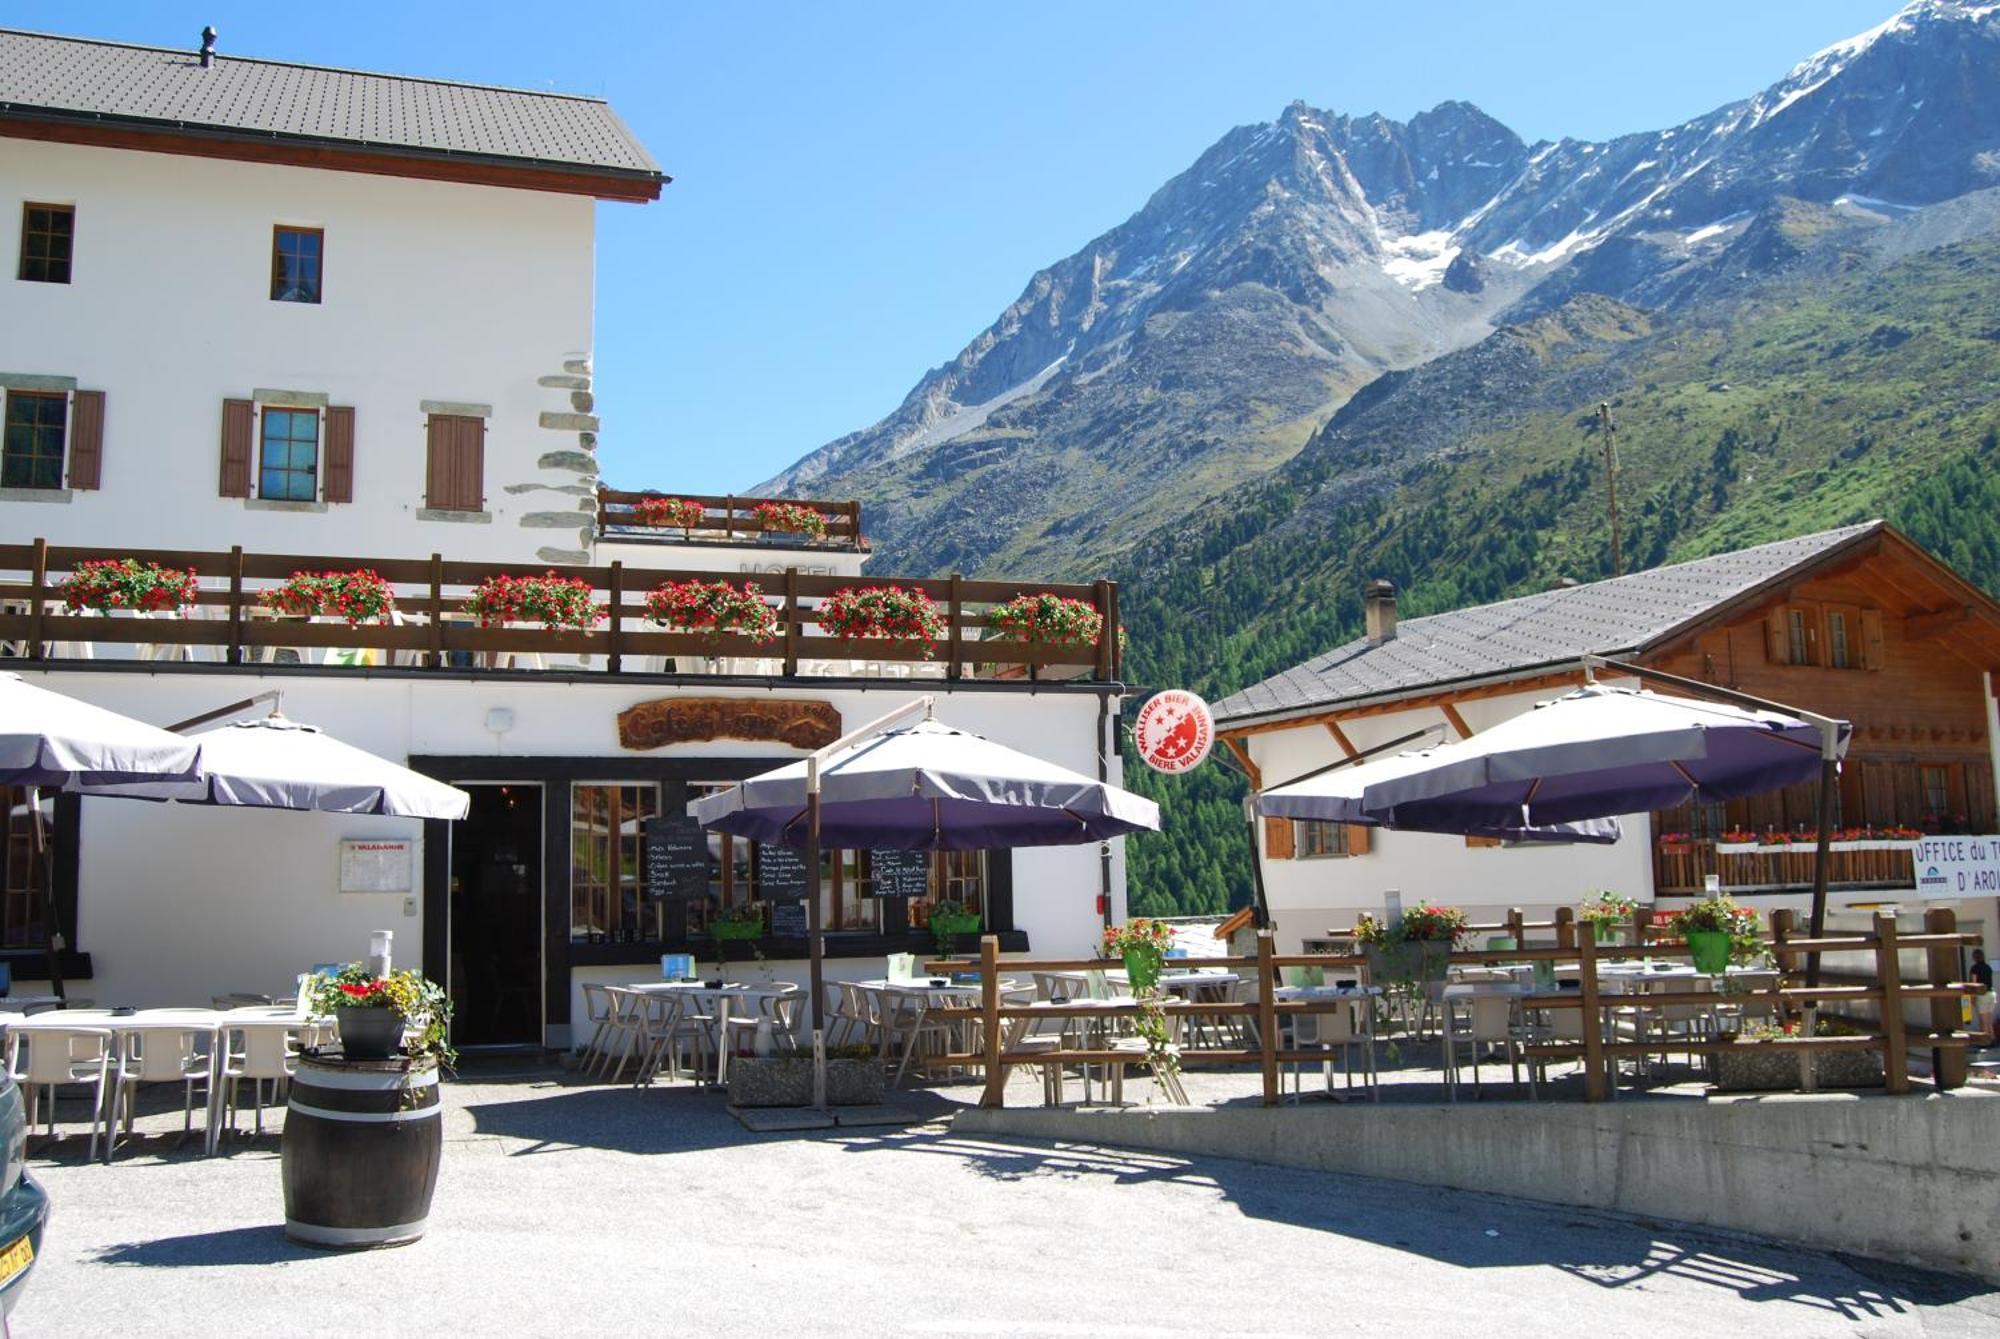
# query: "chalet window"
[[608, 897], [455, 463], [48, 233], [288, 456], [296, 258], [1936, 786], [1839, 654], [32, 456], [1798, 642], [1313, 839]]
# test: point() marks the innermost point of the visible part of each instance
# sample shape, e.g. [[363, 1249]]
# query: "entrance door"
[[496, 918]]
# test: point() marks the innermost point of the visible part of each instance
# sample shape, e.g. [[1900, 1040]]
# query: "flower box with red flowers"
[[888, 613], [357, 597], [713, 608], [663, 512], [553, 600], [1046, 620], [790, 518], [102, 585]]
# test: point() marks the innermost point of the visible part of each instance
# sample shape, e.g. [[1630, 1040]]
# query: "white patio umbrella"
[[47, 739], [277, 763]]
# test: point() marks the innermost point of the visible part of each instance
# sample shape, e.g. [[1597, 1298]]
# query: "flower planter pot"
[[369, 1034], [1142, 968], [954, 926], [1751, 1068], [787, 1081], [1412, 962], [1710, 949]]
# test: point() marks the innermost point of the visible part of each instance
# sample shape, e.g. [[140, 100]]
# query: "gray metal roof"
[[1493, 640], [78, 78]]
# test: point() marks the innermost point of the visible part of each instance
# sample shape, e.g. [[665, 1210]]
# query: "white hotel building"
[[263, 317]]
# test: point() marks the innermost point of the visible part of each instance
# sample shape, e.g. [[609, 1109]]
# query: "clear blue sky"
[[860, 188]]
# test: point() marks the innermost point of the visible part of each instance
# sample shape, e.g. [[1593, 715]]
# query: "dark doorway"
[[496, 918]]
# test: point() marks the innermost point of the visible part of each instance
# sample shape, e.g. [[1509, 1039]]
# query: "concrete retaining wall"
[[1914, 1179]]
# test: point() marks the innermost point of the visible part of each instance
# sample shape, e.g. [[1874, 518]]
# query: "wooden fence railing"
[[1681, 867], [231, 620], [1598, 1050], [725, 518]]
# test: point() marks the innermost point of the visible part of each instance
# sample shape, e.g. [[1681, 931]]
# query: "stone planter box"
[[787, 1081], [1767, 1069]]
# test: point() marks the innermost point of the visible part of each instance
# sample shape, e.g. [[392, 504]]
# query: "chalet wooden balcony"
[[725, 520], [1680, 867], [232, 623]]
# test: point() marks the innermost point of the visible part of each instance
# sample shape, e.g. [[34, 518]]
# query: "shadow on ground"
[[207, 1250], [1474, 1230]]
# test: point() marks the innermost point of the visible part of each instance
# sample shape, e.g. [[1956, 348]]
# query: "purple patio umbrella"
[[917, 787], [1334, 796]]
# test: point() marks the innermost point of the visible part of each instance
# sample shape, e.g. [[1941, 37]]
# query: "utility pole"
[[1611, 481]]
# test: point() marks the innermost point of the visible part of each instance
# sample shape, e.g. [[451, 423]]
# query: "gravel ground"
[[570, 1209]]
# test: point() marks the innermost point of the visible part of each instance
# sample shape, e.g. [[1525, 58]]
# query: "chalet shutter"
[[339, 454], [1358, 838], [456, 472], [86, 440], [1278, 842], [1871, 639], [1482, 841], [1777, 637], [236, 430]]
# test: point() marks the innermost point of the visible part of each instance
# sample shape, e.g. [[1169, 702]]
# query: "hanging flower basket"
[[358, 597], [789, 518], [1717, 931], [125, 583], [712, 608], [883, 612], [555, 601], [1046, 620], [669, 511]]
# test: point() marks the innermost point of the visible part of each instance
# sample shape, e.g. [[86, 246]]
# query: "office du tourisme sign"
[[1952, 867]]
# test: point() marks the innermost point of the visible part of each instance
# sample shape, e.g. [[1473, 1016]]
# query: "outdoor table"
[[722, 995], [209, 1021], [923, 996], [1026, 1024]]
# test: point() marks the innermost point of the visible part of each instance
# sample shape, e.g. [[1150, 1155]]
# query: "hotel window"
[[48, 234], [296, 257], [33, 450], [1316, 839], [609, 901], [288, 455]]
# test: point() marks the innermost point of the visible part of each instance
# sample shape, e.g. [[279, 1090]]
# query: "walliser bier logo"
[[1174, 731]]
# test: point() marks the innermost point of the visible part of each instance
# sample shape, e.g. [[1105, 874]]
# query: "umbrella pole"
[[1829, 777], [39, 859], [1260, 906], [815, 935]]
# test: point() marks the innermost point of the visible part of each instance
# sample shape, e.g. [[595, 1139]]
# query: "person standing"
[[1982, 1003]]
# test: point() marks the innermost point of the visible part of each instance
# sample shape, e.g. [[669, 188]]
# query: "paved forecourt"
[[571, 1209]]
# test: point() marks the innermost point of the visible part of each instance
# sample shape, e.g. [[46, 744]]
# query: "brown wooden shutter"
[[1278, 842], [86, 440], [456, 471], [1482, 841], [1777, 637], [1872, 652], [237, 416], [1358, 837], [339, 454]]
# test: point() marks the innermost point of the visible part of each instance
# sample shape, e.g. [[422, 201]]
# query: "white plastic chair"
[[1486, 1021], [58, 1058], [1340, 1029], [263, 1050], [167, 1054]]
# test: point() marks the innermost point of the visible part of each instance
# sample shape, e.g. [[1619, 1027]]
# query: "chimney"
[[1378, 608], [208, 46]]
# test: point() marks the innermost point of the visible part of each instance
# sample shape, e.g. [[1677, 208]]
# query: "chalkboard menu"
[[788, 919], [900, 873], [781, 873], [676, 857]]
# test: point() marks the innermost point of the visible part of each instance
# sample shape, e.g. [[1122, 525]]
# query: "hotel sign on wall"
[[1954, 867], [1174, 731]]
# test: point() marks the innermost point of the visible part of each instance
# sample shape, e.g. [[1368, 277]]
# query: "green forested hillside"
[[1809, 403]]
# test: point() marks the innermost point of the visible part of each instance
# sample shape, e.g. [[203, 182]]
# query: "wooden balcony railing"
[[1681, 867], [728, 520], [231, 623]]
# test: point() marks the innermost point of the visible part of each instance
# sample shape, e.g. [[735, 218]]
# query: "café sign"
[[1955, 867]]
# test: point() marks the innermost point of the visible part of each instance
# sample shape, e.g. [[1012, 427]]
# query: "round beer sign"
[[1174, 731]]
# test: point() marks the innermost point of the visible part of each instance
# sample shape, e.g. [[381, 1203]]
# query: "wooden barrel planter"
[[362, 1143]]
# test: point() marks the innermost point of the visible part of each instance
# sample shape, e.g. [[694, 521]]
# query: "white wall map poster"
[[375, 865]]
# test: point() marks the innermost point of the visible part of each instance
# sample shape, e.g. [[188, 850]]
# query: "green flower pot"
[[954, 925], [1710, 949], [1142, 967], [1604, 932], [736, 929]]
